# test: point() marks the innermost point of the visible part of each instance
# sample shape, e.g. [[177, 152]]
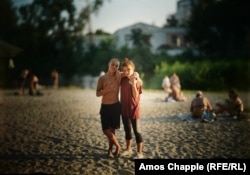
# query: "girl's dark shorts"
[[110, 116]]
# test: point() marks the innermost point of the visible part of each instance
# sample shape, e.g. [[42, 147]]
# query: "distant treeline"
[[205, 75], [50, 33]]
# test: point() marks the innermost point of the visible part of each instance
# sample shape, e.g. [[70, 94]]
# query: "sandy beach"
[[60, 133]]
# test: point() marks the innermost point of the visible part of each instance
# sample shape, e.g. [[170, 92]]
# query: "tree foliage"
[[140, 39], [171, 21], [8, 21], [51, 30], [220, 28], [50, 33]]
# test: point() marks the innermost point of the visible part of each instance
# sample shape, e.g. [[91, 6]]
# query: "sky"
[[116, 14]]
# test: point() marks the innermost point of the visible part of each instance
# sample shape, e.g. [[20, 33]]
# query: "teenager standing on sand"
[[22, 80], [108, 87], [131, 89]]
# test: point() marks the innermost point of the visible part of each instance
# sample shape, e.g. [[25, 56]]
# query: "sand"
[[60, 133]]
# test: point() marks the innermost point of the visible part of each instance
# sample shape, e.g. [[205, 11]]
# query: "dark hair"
[[233, 93]]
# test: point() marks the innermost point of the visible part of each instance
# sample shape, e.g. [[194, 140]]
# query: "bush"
[[206, 74]]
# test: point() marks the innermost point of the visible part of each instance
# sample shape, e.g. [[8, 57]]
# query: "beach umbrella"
[[8, 50]]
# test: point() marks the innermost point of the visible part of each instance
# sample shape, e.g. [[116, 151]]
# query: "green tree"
[[141, 53], [8, 21], [51, 34], [171, 21], [101, 32], [139, 39], [220, 28], [97, 57], [8, 34]]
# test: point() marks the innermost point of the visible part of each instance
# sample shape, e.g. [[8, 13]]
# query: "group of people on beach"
[[30, 78], [201, 107], [27, 75], [129, 84], [172, 86]]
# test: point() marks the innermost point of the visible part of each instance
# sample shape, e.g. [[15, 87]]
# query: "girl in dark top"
[[131, 89]]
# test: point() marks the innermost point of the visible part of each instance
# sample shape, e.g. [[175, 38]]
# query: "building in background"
[[163, 39], [169, 39]]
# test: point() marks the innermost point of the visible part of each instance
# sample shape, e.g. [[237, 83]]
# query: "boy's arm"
[[99, 88], [118, 76]]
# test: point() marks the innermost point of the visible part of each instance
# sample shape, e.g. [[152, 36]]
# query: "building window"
[[127, 37], [178, 42], [174, 40]]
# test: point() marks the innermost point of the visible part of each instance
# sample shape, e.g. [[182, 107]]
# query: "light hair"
[[114, 59], [127, 62]]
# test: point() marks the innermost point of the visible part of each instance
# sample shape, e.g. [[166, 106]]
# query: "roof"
[[8, 50], [146, 27]]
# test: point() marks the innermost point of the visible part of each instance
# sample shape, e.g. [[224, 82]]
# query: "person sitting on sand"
[[55, 79], [175, 93], [199, 105], [22, 81], [33, 85], [233, 105], [166, 85], [175, 80]]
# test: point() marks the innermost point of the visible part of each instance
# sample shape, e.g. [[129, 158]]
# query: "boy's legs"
[[110, 133]]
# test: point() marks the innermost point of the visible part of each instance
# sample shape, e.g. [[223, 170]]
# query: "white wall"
[[159, 36]]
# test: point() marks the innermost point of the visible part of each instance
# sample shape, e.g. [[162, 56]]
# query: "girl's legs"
[[139, 147], [128, 136], [128, 144], [138, 136]]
